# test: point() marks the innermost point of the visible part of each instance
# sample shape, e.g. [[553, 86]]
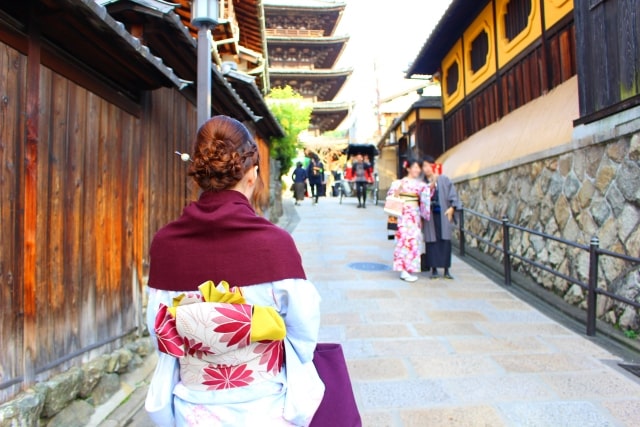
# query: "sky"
[[384, 39]]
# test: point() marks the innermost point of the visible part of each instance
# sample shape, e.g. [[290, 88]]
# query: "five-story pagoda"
[[302, 53]]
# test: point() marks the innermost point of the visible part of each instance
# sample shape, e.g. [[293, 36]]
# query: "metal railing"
[[594, 250]]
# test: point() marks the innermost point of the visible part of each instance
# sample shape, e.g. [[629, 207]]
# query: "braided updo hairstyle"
[[224, 151]]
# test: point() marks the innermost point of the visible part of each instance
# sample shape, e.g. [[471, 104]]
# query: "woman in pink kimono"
[[235, 319], [414, 191]]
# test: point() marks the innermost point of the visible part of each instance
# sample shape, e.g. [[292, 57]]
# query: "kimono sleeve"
[[454, 200], [298, 302], [394, 186]]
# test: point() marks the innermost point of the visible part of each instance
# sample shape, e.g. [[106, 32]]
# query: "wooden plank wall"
[[429, 138], [608, 48], [107, 181], [12, 102], [538, 70]]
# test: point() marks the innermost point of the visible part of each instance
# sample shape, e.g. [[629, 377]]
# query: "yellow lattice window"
[[453, 77], [519, 25], [479, 48]]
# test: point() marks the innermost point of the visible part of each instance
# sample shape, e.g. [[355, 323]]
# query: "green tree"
[[294, 115]]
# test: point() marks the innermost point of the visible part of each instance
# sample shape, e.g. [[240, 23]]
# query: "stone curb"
[[120, 408]]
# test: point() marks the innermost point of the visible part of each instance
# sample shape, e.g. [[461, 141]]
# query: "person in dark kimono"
[[438, 230], [299, 177]]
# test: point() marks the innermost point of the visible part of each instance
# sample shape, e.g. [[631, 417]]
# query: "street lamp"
[[204, 16]]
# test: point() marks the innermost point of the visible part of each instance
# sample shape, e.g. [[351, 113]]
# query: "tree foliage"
[[294, 115]]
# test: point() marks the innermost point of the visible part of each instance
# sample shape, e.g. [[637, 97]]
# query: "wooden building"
[[95, 100], [414, 134], [494, 57], [541, 118], [303, 51], [608, 43]]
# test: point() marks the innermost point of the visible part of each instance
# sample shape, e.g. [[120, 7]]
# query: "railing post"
[[506, 251], [461, 233], [593, 284]]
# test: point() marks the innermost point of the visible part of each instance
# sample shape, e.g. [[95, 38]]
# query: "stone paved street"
[[450, 353], [446, 353]]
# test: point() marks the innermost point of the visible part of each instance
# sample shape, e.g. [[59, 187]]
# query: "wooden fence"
[[84, 185]]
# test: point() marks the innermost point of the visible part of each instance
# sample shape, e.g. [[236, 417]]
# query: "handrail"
[[549, 236], [489, 218], [594, 255]]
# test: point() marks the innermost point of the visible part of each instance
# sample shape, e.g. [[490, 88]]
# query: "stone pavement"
[[465, 352]]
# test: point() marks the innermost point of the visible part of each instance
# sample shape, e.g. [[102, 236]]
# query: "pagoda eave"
[[327, 50], [326, 16], [323, 85], [327, 116]]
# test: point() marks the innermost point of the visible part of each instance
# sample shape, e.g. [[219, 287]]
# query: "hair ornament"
[[185, 157]]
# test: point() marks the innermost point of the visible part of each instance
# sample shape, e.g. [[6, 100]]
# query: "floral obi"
[[220, 341]]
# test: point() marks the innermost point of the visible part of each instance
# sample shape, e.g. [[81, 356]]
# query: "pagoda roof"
[[331, 47], [326, 13], [325, 84], [456, 19], [305, 5], [314, 4], [327, 116]]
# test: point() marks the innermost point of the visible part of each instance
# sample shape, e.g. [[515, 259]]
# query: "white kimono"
[[290, 398]]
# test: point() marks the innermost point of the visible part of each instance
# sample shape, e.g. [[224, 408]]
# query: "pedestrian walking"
[[411, 188], [248, 360], [315, 173], [438, 230], [299, 177], [361, 171]]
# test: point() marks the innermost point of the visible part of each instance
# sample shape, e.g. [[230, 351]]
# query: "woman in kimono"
[[228, 297], [406, 256]]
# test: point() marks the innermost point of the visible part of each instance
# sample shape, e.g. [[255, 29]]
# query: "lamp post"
[[204, 16]]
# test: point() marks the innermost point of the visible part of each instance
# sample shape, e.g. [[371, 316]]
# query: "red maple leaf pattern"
[[234, 324], [271, 354], [196, 348], [223, 377], [169, 341]]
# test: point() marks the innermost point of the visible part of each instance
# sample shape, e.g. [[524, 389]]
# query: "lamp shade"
[[204, 13]]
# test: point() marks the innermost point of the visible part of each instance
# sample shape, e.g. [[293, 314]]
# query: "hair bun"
[[222, 154]]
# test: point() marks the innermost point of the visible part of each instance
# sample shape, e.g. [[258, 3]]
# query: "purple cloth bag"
[[338, 407]]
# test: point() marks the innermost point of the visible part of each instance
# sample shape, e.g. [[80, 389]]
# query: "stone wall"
[[591, 189], [275, 210], [70, 398]]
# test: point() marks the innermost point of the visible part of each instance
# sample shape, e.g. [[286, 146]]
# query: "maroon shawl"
[[217, 238]]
